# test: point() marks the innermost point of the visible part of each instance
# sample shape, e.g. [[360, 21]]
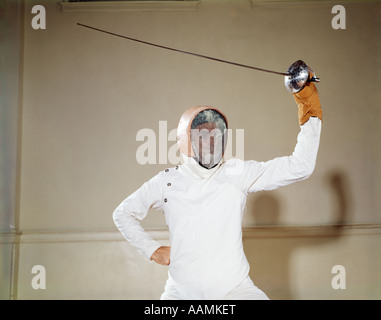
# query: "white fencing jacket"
[[204, 209]]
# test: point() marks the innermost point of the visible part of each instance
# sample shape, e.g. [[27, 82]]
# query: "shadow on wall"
[[269, 258]]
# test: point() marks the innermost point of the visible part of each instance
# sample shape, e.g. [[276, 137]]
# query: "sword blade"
[[183, 51]]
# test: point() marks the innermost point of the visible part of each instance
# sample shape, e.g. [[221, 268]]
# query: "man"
[[204, 199]]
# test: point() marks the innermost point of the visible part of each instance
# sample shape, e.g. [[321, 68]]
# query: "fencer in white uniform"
[[204, 198]]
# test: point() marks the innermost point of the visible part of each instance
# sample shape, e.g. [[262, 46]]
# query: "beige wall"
[[87, 94], [11, 24]]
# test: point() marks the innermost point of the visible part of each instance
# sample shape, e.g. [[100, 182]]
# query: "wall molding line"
[[260, 232], [113, 6], [305, 3]]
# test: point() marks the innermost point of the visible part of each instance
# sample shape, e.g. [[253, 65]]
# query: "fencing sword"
[[295, 78]]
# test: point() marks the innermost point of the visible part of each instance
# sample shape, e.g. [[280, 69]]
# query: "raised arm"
[[282, 171]]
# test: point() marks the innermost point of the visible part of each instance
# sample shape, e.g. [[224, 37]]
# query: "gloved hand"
[[308, 102]]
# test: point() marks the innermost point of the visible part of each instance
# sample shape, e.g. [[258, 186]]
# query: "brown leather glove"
[[308, 103]]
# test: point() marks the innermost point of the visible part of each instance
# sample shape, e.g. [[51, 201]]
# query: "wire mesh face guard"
[[208, 132], [202, 135]]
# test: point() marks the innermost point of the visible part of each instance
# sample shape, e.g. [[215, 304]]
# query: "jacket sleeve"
[[134, 209], [283, 171]]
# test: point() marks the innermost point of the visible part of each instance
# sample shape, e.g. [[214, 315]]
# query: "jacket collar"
[[192, 166]]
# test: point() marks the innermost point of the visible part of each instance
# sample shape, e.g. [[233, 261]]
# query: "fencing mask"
[[202, 135]]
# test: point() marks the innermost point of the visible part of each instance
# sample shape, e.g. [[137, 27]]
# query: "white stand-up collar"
[[192, 166]]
